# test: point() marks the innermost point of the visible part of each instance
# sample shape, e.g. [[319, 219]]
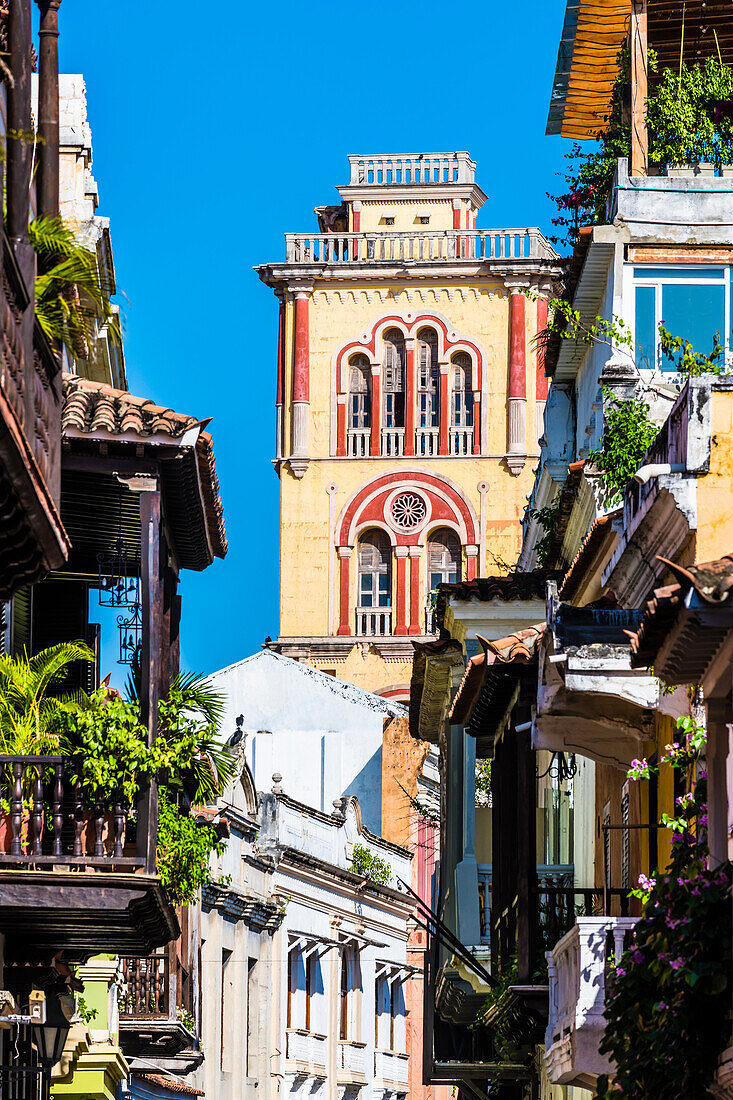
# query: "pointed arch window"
[[360, 396], [428, 378], [375, 570], [462, 392], [393, 379], [444, 558]]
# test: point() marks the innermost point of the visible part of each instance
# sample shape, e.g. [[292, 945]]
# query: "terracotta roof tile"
[[172, 1084], [713, 582], [515, 586], [600, 530], [91, 407], [517, 648]]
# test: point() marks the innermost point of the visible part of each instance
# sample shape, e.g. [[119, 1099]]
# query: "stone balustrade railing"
[[391, 1067], [577, 967], [378, 169], [418, 246]]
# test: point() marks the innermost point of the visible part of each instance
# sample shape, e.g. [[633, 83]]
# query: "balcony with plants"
[[98, 844]]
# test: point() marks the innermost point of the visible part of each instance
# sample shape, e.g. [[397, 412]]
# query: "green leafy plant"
[[31, 700], [72, 292], [682, 124], [184, 850], [88, 1015], [547, 518], [667, 1000], [628, 432], [689, 361], [483, 783], [364, 862], [186, 1018]]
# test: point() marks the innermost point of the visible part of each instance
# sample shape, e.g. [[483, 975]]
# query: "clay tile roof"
[[518, 648], [515, 586], [592, 544], [93, 407], [712, 581], [171, 1084]]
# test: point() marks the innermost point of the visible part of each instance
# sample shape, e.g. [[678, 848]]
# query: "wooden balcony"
[[70, 877], [32, 537], [157, 1012], [391, 1069], [577, 966], [351, 1063]]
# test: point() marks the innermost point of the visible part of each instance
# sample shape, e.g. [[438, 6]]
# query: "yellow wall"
[[407, 215], [342, 310], [714, 497]]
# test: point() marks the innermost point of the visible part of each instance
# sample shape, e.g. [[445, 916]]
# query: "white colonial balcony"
[[373, 622], [391, 1069], [461, 441], [352, 1063], [577, 969], [358, 442], [306, 1053], [417, 246]]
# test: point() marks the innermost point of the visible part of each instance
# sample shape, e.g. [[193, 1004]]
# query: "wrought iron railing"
[[22, 1083]]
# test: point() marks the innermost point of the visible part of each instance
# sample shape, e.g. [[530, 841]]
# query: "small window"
[[360, 398], [393, 379], [444, 558], [424, 219], [375, 570], [389, 220], [462, 392], [427, 378]]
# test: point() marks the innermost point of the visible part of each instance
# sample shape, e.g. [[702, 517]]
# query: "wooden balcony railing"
[[156, 987], [22, 1083], [50, 824]]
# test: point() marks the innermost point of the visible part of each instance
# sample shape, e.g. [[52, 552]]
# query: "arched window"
[[444, 558], [360, 397], [393, 379], [462, 393], [427, 378], [375, 570]]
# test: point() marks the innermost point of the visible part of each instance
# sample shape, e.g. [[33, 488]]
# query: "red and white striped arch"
[[446, 505]]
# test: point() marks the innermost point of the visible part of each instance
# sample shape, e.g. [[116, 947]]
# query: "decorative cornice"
[[259, 914]]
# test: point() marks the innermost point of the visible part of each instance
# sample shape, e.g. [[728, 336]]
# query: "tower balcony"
[[376, 248], [385, 169], [427, 442]]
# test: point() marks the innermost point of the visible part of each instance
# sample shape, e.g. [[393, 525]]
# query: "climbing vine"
[[628, 432], [667, 1001]]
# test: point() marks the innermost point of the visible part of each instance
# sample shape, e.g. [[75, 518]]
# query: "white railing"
[[307, 1050], [461, 441], [577, 974], [373, 622], [393, 441], [392, 1067], [358, 442], [351, 1060], [417, 246], [427, 441], [396, 168]]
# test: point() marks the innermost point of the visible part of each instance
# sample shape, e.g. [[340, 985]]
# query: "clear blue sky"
[[217, 128]]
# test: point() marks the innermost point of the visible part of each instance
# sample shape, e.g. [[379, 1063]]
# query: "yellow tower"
[[409, 405]]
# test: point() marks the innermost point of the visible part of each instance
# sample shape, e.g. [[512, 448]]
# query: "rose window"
[[408, 511]]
